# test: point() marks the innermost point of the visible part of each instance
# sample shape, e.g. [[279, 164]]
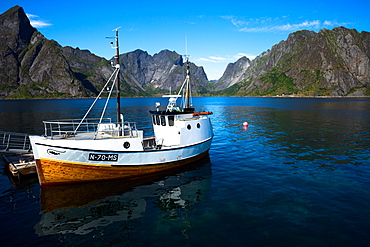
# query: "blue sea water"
[[299, 175]]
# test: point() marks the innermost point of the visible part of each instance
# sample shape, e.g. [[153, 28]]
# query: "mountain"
[[234, 73], [33, 66], [162, 71], [330, 63]]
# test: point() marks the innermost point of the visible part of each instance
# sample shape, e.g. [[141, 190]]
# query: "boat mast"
[[187, 79], [118, 95], [187, 91]]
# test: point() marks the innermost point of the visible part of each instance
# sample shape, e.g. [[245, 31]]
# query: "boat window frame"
[[157, 120], [163, 120], [153, 120], [171, 120]]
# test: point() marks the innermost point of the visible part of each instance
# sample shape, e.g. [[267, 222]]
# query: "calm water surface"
[[298, 176]]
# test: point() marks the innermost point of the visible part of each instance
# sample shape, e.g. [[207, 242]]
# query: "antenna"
[[186, 56], [116, 37], [116, 29], [186, 45]]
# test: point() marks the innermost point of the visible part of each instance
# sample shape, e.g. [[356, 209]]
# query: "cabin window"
[[157, 119], [189, 127], [163, 120], [153, 117], [171, 120], [198, 125]]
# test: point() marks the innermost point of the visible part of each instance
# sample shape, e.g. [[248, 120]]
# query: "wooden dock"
[[17, 152]]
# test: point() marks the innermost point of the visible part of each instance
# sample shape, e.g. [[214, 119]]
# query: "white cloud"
[[212, 59], [328, 23], [37, 23], [235, 21], [40, 24], [226, 59], [205, 60], [335, 23], [32, 16], [227, 17], [249, 56], [277, 24], [305, 24], [285, 27], [221, 59]]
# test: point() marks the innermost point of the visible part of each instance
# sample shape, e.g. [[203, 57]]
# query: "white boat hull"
[[61, 161]]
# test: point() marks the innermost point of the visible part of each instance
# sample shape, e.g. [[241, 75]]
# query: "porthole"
[[126, 145], [198, 125], [189, 127]]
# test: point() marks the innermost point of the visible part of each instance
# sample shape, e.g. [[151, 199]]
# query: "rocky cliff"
[[33, 66], [162, 71], [234, 73], [331, 62]]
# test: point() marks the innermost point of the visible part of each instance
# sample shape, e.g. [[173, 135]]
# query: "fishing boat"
[[92, 149]]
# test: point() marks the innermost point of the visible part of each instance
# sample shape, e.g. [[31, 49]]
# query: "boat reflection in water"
[[82, 208]]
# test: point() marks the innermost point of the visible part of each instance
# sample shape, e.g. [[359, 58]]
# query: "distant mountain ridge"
[[33, 66], [328, 63], [162, 71]]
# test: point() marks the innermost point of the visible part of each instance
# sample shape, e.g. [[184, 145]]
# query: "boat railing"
[[102, 128], [11, 142]]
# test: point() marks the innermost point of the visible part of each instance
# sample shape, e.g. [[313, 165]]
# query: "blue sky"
[[218, 32]]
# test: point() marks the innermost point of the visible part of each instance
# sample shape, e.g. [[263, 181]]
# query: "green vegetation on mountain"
[[328, 63]]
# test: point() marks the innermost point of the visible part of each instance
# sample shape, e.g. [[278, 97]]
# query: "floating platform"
[[21, 164]]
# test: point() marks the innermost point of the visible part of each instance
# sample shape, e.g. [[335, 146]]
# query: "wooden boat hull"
[[54, 172]]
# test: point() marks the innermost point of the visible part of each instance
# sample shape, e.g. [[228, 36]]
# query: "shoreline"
[[215, 96]]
